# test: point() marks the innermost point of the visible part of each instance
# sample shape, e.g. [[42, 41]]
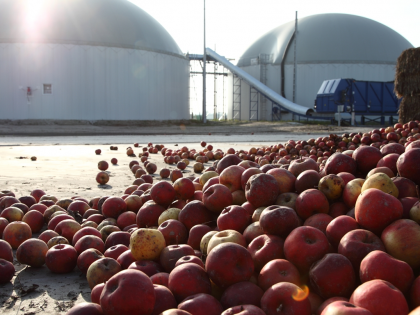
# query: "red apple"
[[307, 180], [115, 251], [201, 304], [228, 264], [172, 253], [6, 251], [15, 233], [233, 218], [356, 244], [217, 197], [346, 177], [375, 210], [338, 163], [184, 188], [113, 207], [148, 214], [190, 259], [389, 161], [195, 235], [128, 292], [32, 252], [401, 240], [392, 148], [287, 200], [188, 279], [311, 201], [333, 275], [278, 270], [329, 301], [366, 158], [240, 293], [252, 231], [61, 258], [319, 221], [406, 187], [344, 308], [102, 178], [339, 227], [408, 165], [174, 232], [304, 246], [298, 166], [380, 298], [226, 161], [7, 271], [380, 265], [126, 259], [285, 179], [261, 190], [85, 231], [286, 298], [34, 219], [245, 309], [264, 249], [89, 241], [160, 278], [231, 177], [247, 174], [277, 220], [194, 213]]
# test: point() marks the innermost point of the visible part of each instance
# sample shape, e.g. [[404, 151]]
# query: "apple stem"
[[279, 309], [177, 240]]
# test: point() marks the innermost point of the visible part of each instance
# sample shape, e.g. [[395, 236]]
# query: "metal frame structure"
[[253, 104], [236, 108]]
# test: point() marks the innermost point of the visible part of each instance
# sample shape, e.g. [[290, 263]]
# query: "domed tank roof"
[[112, 23], [331, 38]]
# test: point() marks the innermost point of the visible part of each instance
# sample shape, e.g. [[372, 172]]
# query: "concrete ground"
[[66, 166]]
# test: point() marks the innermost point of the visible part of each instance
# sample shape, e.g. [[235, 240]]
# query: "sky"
[[233, 25]]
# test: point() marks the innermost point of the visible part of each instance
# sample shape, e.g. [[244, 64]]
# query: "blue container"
[[368, 97]]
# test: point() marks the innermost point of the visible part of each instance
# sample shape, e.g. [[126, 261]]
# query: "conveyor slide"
[[263, 89]]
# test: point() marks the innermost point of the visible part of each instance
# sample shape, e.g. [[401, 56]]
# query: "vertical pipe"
[[215, 91], [295, 64], [204, 68]]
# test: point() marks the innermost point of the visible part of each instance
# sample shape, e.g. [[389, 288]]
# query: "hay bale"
[[407, 76], [409, 109]]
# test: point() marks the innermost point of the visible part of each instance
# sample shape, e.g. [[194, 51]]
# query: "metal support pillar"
[[215, 91], [275, 112], [253, 104], [264, 59], [236, 109]]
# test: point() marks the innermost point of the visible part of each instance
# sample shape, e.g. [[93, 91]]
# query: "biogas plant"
[[110, 60]]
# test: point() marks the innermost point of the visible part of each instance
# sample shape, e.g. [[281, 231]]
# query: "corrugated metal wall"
[[92, 83]]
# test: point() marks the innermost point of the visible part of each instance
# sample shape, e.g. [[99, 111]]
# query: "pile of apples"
[[328, 226]]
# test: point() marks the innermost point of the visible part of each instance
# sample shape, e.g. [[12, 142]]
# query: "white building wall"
[[92, 83]]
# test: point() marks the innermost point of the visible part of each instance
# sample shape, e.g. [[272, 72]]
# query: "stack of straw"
[[407, 84]]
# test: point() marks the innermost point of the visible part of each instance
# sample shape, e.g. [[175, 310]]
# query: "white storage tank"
[[88, 60], [329, 46]]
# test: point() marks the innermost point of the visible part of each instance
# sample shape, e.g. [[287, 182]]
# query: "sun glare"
[[301, 294], [33, 17]]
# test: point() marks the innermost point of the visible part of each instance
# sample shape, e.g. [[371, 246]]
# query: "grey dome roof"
[[331, 38], [112, 23]]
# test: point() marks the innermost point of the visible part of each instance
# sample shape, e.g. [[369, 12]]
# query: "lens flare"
[[301, 294]]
